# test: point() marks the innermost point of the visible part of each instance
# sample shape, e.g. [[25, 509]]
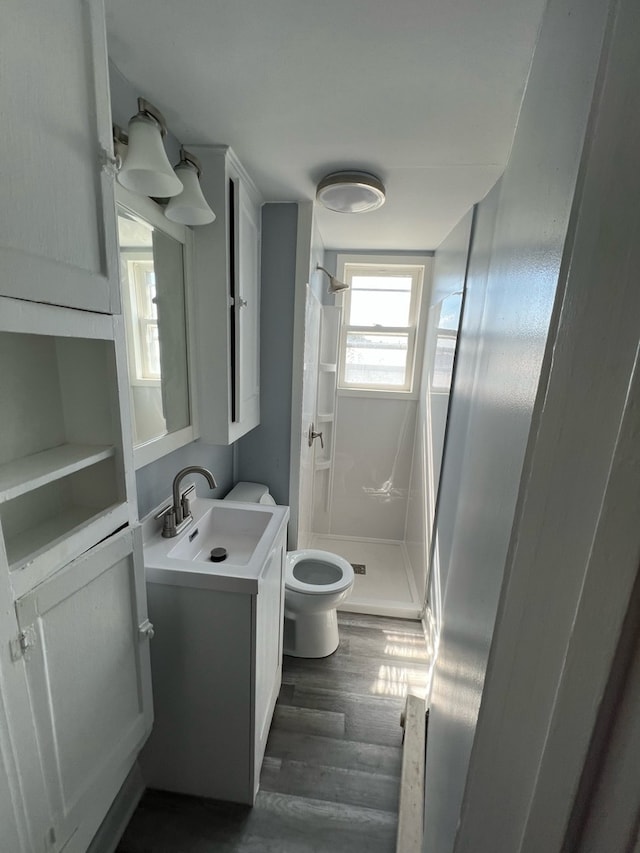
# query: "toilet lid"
[[317, 572]]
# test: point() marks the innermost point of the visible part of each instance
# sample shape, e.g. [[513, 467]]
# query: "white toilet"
[[316, 582]]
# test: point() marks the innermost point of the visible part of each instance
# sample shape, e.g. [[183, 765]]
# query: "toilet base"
[[310, 635]]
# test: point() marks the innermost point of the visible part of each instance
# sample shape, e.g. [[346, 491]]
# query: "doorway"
[[378, 364]]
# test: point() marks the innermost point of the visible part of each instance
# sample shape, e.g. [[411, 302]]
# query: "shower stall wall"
[[376, 479]]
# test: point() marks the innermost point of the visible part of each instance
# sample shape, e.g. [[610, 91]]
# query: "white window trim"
[[394, 264]]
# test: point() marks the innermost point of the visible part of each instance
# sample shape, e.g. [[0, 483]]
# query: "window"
[[379, 326], [446, 339], [145, 319]]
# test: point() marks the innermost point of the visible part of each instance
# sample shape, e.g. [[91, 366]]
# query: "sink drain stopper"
[[218, 555]]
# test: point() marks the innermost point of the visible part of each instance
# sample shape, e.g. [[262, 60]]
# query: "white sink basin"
[[223, 526], [248, 532]]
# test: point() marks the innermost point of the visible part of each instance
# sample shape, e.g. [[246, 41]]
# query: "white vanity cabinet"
[[57, 218], [217, 666], [227, 299], [84, 635]]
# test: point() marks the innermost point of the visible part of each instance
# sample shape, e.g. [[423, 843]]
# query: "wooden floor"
[[330, 778]]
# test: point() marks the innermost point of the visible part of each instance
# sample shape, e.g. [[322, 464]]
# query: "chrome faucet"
[[178, 515]]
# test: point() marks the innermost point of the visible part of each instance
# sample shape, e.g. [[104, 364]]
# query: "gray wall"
[[263, 455], [495, 394], [154, 480]]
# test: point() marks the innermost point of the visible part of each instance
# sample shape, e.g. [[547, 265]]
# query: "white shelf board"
[[41, 550], [35, 318], [327, 366], [323, 465], [31, 472], [325, 417]]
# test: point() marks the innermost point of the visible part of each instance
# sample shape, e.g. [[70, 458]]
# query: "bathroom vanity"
[[216, 657]]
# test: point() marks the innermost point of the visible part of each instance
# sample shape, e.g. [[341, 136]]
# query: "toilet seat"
[[312, 554]]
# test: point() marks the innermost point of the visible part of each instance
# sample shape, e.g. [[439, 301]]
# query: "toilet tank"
[[250, 493]]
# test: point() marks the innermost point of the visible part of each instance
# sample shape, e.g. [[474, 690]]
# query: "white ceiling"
[[424, 93]]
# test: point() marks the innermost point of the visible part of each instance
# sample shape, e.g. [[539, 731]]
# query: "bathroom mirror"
[[154, 265]]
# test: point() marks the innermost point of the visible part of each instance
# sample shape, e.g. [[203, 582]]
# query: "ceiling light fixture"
[[146, 169], [351, 192], [190, 207], [335, 286]]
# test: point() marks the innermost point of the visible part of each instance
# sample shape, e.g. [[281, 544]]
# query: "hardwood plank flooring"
[[330, 779]]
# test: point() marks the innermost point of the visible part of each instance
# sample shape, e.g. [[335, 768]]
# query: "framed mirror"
[[155, 263]]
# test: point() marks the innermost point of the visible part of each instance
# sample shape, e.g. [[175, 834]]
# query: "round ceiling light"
[[351, 192]]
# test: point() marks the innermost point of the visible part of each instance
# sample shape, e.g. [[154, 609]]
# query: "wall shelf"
[[31, 472], [36, 552], [325, 417]]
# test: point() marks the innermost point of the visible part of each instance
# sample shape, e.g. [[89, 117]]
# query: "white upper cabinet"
[[57, 218], [227, 299]]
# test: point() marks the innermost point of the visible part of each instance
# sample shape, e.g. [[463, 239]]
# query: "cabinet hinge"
[[23, 643], [108, 163], [145, 630]]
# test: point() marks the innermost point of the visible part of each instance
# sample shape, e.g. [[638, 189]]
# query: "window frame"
[[416, 268]]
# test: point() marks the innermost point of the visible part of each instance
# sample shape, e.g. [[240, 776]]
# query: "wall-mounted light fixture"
[[351, 192], [335, 286], [146, 169], [190, 207]]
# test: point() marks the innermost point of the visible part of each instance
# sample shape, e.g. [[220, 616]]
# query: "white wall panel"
[[372, 464]]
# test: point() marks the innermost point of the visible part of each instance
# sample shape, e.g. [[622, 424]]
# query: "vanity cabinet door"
[[268, 648], [57, 220], [87, 662]]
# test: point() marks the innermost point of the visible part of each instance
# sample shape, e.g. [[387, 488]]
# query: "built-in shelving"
[[326, 409], [31, 472], [62, 478]]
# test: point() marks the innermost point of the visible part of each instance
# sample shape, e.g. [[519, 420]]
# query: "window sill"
[[377, 394]]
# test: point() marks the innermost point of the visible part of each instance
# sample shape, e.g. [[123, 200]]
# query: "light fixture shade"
[[190, 207], [351, 192], [146, 169]]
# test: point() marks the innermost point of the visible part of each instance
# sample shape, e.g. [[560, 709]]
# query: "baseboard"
[[411, 809], [113, 826]]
